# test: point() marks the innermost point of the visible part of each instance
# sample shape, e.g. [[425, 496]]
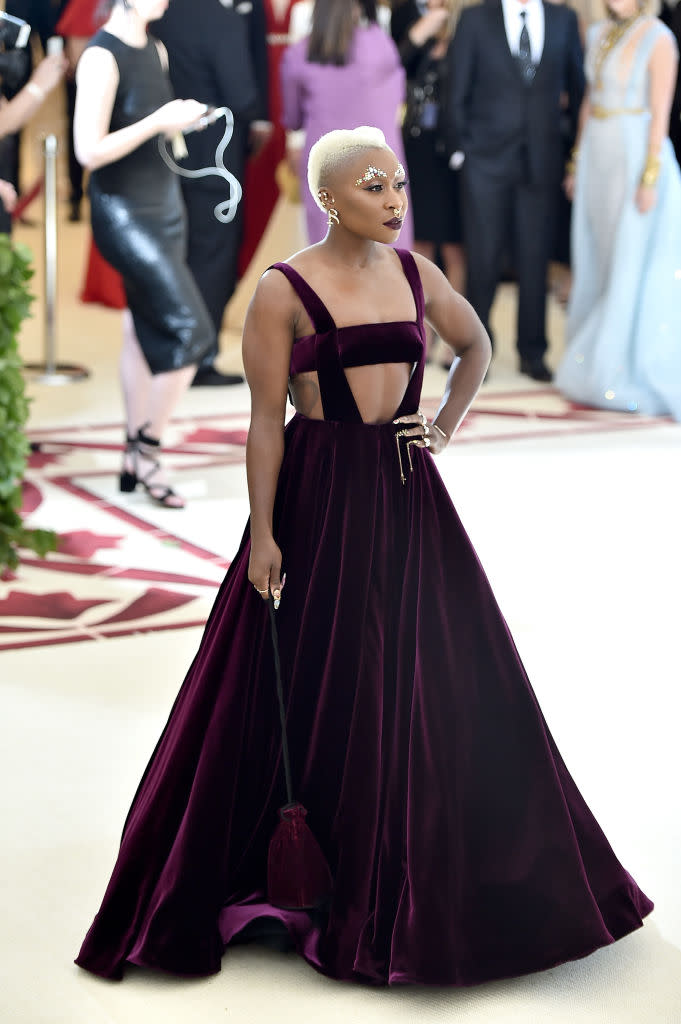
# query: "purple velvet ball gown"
[[460, 846]]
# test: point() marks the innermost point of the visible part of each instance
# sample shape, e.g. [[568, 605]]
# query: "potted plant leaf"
[[15, 304]]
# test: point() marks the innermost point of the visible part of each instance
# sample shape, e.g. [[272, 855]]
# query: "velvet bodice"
[[399, 341], [364, 345], [331, 350]]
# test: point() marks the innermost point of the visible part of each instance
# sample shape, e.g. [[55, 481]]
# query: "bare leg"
[[150, 400], [135, 377], [166, 391]]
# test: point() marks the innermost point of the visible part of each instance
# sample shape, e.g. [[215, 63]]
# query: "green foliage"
[[15, 306]]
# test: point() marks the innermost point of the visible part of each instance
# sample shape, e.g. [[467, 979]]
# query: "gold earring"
[[333, 216]]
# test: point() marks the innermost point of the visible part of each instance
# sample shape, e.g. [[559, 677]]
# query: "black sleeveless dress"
[[138, 220], [460, 846]]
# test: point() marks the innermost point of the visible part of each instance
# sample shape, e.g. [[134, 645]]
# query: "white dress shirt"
[[514, 25], [535, 25]]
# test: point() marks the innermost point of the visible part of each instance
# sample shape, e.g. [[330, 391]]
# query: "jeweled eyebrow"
[[371, 172], [400, 170]]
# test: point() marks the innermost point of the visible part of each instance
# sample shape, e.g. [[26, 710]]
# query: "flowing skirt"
[[460, 846], [624, 316]]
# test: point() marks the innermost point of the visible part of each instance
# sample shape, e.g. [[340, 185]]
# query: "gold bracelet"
[[441, 431], [571, 163], [35, 90], [651, 171]]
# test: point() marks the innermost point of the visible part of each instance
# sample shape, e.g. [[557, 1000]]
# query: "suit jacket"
[[497, 120], [213, 55]]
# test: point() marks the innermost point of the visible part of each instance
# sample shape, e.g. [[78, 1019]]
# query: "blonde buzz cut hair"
[[334, 148]]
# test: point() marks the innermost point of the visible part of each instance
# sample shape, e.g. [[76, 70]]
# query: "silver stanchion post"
[[50, 371]]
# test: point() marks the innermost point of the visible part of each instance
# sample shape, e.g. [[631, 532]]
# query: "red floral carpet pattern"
[[127, 566]]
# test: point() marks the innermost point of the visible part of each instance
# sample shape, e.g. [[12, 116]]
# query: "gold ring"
[[262, 591], [422, 417], [426, 430]]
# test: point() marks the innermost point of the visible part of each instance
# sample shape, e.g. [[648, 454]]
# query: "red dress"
[[260, 188], [102, 283], [80, 18]]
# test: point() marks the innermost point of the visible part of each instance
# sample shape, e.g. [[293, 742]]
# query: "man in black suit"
[[511, 62], [217, 54]]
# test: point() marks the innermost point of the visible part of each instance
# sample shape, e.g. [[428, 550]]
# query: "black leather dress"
[[138, 220]]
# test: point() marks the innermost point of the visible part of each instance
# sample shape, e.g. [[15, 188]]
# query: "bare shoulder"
[[274, 298], [96, 62], [306, 258], [433, 281], [664, 41]]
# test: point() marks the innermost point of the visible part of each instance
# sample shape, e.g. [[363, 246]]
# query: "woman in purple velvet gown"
[[460, 847]]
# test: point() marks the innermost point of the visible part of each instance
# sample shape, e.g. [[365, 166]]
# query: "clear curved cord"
[[225, 211]]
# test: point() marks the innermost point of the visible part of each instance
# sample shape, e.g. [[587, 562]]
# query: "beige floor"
[[579, 534]]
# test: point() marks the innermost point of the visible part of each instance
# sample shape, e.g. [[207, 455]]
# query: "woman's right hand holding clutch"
[[177, 115]]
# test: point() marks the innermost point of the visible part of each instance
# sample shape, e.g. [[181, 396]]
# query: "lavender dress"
[[460, 846], [369, 89]]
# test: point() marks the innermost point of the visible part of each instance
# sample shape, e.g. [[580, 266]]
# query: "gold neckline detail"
[[609, 41]]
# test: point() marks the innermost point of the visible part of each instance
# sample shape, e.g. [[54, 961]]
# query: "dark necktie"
[[527, 66]]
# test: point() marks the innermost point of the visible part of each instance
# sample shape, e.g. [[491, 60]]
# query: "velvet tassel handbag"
[[298, 876]]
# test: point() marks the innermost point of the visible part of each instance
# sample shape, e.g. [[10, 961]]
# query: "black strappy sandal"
[[127, 481], [146, 447]]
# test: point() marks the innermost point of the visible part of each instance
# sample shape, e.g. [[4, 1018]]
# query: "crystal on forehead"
[[371, 172]]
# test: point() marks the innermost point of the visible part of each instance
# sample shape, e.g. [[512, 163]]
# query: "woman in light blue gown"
[[624, 317]]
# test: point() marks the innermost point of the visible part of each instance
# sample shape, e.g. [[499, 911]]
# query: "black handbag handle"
[[280, 696]]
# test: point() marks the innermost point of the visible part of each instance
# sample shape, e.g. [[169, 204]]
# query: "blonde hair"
[[334, 148]]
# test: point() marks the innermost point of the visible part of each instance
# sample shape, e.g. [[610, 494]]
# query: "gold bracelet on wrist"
[[441, 431], [651, 171], [571, 163]]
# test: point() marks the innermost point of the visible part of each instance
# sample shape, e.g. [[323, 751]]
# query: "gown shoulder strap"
[[314, 307], [411, 272], [637, 88]]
